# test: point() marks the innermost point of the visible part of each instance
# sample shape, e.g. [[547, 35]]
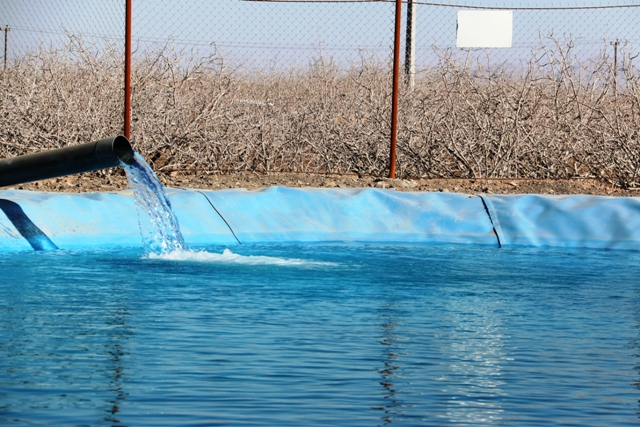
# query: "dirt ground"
[[252, 181]]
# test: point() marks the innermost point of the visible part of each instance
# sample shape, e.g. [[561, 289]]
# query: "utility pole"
[[615, 66], [6, 42], [410, 45]]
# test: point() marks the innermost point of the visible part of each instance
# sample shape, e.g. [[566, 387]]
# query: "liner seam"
[[495, 230], [220, 215]]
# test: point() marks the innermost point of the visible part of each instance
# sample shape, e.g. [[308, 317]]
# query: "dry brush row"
[[553, 116]]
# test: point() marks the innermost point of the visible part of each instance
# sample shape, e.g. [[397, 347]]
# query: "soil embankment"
[[252, 181]]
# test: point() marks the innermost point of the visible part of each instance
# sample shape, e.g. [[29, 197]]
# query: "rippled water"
[[320, 335]]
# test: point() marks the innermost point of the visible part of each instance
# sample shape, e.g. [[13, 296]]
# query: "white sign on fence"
[[484, 28]]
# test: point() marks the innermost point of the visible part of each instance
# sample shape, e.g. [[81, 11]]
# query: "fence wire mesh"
[[264, 86], [306, 86], [62, 73], [560, 102]]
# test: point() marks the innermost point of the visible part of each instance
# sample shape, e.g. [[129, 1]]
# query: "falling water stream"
[[160, 230], [158, 223]]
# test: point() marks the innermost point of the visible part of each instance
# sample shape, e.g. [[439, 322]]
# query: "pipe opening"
[[122, 149]]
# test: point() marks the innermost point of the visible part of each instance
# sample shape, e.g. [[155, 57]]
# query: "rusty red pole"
[[396, 89], [127, 71]]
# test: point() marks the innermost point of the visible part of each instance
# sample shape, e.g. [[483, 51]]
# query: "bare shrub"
[[528, 121], [52, 98], [554, 116]]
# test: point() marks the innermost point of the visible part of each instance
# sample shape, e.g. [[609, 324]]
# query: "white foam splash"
[[228, 257]]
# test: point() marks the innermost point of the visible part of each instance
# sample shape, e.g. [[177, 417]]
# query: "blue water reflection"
[[320, 335]]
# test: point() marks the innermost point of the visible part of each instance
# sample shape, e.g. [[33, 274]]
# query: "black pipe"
[[92, 156]]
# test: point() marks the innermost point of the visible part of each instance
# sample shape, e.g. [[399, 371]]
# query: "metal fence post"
[[127, 71], [396, 89]]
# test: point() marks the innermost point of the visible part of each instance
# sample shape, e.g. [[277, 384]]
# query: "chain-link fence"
[[560, 102], [62, 75], [231, 85], [263, 86]]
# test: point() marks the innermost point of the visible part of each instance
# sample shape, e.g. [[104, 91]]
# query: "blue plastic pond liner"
[[281, 214], [104, 220], [566, 221], [44, 221]]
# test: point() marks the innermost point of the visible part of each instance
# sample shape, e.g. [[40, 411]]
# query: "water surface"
[[357, 335]]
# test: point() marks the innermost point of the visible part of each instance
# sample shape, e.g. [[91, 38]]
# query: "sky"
[[283, 32]]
